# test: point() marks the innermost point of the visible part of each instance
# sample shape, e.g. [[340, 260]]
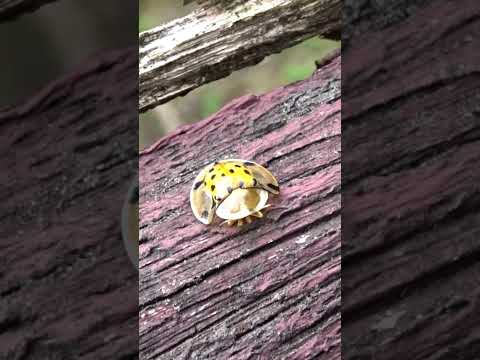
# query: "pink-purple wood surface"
[[68, 155], [410, 186], [270, 290]]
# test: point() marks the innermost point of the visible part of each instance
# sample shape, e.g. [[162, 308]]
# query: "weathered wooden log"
[[10, 9], [410, 185], [68, 155], [213, 41], [270, 290]]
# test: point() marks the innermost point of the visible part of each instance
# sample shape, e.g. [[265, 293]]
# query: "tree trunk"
[[270, 290]]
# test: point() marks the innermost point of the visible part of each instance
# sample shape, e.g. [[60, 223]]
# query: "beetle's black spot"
[[223, 175], [231, 171], [197, 185], [213, 176], [274, 187], [205, 214], [205, 183], [212, 187], [249, 163], [211, 169], [247, 172], [241, 184], [254, 182], [229, 189], [237, 165]]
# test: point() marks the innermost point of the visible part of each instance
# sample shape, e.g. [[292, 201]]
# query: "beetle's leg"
[[258, 214]]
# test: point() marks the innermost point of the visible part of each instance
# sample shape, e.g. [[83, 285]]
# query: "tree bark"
[[410, 193], [213, 41], [68, 156], [270, 290]]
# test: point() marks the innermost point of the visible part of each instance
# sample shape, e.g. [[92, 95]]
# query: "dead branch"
[[209, 44]]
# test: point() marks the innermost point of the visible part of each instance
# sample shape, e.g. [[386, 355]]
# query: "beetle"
[[235, 190]]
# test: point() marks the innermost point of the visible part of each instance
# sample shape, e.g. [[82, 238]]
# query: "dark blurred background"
[[291, 65], [52, 41], [67, 167]]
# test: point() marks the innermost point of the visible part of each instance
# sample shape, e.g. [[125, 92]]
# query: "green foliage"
[[145, 22], [300, 63], [295, 72], [317, 43], [210, 103]]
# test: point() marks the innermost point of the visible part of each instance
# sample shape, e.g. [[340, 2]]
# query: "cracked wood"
[[410, 193], [68, 156], [271, 289]]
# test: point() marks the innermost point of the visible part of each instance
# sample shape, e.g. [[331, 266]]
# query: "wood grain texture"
[[67, 287], [270, 290], [11, 9], [210, 43], [410, 186]]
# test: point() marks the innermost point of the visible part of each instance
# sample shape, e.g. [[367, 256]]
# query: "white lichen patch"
[[302, 239]]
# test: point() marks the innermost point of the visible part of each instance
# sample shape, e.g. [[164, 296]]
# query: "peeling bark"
[[410, 187], [270, 290], [68, 156], [213, 41]]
